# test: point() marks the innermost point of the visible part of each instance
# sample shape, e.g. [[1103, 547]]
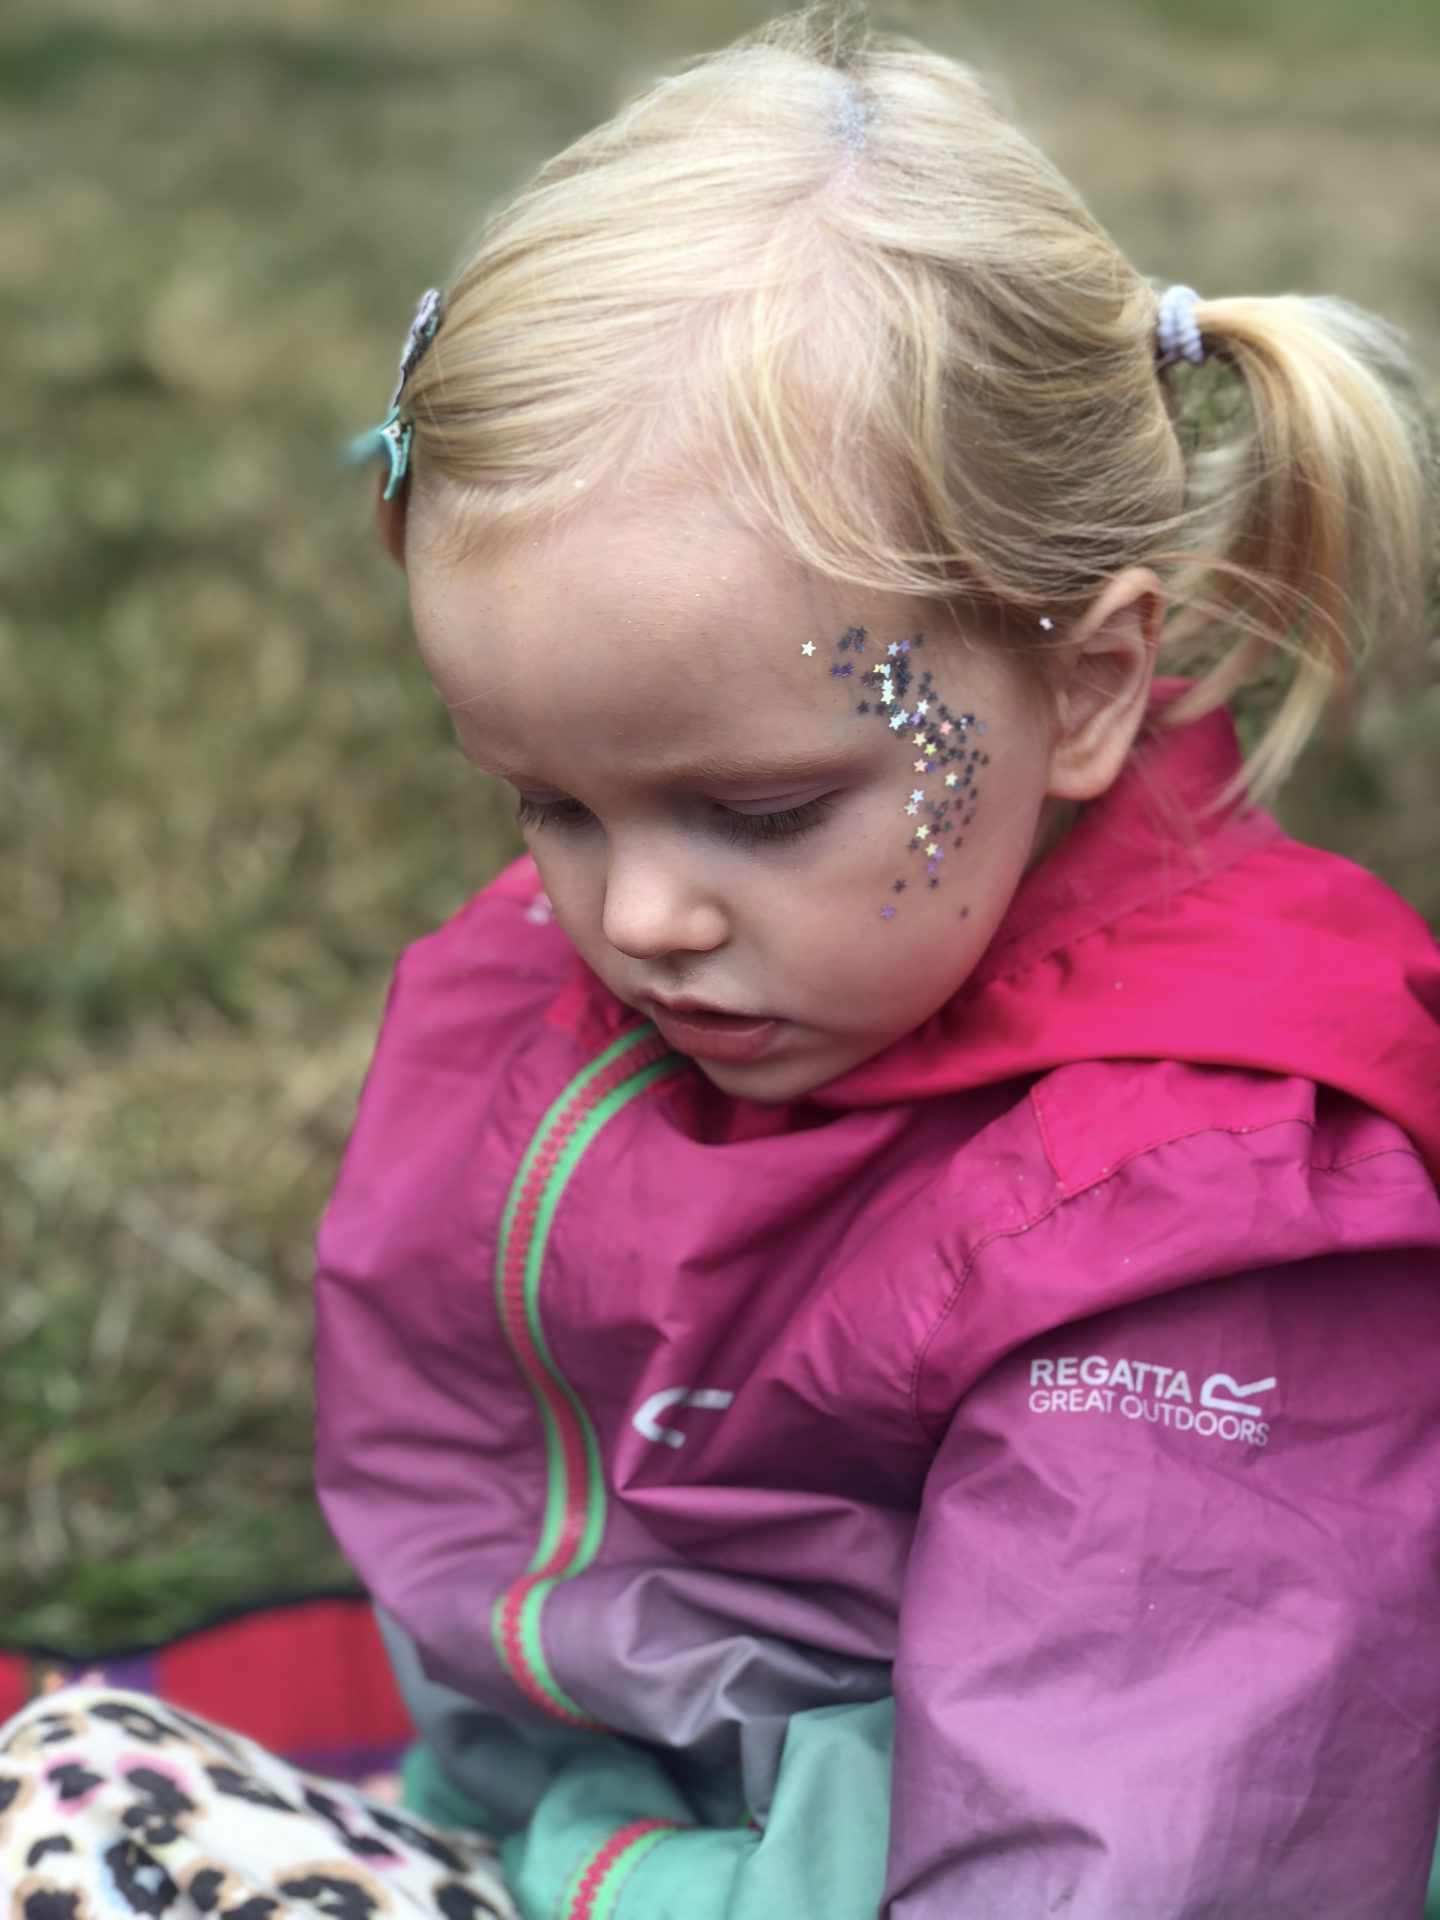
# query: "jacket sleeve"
[[1168, 1636], [592, 1823]]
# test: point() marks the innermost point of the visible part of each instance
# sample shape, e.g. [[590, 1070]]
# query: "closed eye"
[[784, 823], [550, 813]]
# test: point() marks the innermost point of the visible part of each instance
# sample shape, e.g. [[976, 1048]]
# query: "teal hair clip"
[[390, 439]]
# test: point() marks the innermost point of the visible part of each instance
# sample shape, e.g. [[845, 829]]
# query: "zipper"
[[596, 1889], [575, 1483]]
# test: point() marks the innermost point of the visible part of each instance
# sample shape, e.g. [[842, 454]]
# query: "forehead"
[[658, 630]]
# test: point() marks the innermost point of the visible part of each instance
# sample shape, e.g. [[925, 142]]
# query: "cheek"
[[573, 883], [895, 929], [941, 760]]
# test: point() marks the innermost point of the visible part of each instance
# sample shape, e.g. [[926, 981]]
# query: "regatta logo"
[[1143, 1390], [646, 1419]]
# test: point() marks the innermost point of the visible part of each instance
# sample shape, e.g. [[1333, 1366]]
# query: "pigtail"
[[1318, 518]]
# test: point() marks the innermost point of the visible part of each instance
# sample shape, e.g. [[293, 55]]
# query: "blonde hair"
[[822, 274]]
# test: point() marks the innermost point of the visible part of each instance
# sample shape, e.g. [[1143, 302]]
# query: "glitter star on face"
[[887, 913], [808, 648], [891, 689]]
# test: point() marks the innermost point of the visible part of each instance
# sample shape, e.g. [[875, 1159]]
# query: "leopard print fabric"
[[114, 1804]]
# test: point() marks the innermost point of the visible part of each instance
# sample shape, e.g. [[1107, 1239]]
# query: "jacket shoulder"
[[465, 1032], [1115, 1182], [1097, 1117], [496, 964]]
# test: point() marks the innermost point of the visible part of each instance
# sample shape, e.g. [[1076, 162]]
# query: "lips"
[[711, 1033], [696, 1009]]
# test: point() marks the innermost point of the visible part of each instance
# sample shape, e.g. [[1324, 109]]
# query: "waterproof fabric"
[[1003, 1483]]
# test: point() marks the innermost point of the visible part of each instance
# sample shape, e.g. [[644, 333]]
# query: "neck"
[[1056, 819]]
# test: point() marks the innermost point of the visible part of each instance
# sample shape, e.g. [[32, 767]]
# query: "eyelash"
[[787, 823]]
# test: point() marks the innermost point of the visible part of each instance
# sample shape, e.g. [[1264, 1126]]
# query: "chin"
[[769, 1083]]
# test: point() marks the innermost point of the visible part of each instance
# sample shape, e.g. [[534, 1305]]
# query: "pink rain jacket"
[[1004, 1484]]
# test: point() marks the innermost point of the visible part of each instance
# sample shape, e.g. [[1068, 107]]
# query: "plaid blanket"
[[307, 1678]]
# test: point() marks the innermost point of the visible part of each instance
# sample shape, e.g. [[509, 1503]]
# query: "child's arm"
[[592, 1823], [1153, 1669]]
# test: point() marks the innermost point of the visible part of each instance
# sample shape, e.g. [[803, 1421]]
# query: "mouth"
[[713, 1033]]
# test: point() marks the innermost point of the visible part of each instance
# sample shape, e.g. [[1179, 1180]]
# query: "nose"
[[655, 904]]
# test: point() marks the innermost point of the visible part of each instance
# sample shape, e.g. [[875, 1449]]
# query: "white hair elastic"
[[1177, 332], [850, 119]]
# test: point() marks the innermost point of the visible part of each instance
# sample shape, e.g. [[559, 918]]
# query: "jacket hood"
[[1162, 928]]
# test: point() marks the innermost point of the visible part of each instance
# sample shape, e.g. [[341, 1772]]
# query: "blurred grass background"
[[227, 796]]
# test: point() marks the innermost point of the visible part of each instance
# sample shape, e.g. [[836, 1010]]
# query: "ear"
[[390, 518], [1108, 661]]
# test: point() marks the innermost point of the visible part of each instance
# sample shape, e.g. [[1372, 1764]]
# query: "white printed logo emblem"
[[1242, 1399], [1144, 1390], [647, 1422]]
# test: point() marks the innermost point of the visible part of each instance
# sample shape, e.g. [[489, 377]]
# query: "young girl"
[[877, 1329]]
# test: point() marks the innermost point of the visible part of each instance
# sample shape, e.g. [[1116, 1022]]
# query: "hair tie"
[[1177, 332], [390, 438]]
